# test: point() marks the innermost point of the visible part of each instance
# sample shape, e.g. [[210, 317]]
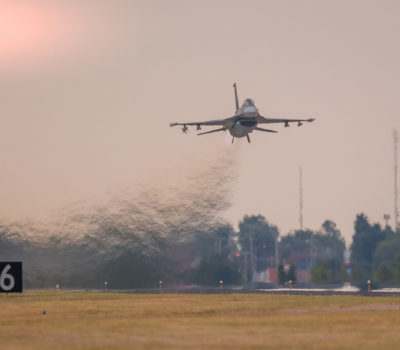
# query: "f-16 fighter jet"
[[245, 120]]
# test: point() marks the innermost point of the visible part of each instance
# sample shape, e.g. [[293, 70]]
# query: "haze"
[[87, 93]]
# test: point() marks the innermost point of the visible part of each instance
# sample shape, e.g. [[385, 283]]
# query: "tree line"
[[118, 253], [374, 253]]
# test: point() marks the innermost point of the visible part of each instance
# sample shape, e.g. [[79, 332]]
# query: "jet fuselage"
[[244, 120]]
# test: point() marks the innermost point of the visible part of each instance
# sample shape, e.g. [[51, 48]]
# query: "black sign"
[[10, 277]]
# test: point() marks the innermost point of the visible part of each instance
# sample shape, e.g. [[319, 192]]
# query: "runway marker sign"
[[11, 277]]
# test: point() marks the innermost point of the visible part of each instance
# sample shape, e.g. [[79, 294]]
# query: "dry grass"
[[87, 320]]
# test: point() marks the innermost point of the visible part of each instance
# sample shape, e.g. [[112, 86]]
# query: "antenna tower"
[[396, 191], [301, 198]]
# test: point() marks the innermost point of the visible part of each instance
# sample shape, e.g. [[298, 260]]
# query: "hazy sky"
[[87, 90]]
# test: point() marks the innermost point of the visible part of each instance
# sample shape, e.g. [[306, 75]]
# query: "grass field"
[[86, 320]]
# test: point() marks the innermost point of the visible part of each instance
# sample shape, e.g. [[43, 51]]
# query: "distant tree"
[[389, 272], [225, 244], [386, 258], [291, 275], [212, 254], [218, 240], [296, 245], [330, 229], [386, 250], [365, 240], [322, 272], [343, 276], [396, 268], [312, 246], [282, 278], [257, 239], [332, 243], [384, 273], [327, 271], [330, 246], [358, 275], [214, 269]]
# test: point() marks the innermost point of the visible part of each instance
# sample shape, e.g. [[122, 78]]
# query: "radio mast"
[[396, 191], [301, 198]]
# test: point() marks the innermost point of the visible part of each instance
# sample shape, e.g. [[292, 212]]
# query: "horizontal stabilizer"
[[265, 130], [209, 132]]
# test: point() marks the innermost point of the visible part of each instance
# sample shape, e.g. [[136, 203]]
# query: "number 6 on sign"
[[11, 277], [5, 276]]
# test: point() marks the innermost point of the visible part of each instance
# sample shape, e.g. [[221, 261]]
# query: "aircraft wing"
[[286, 121], [209, 122]]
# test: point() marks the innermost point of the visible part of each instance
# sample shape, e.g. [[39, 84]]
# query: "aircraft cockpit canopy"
[[248, 102]]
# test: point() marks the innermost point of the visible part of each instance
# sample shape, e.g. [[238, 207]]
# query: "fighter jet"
[[245, 120]]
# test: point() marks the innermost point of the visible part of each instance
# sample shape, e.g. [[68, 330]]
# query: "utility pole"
[[301, 198], [396, 191], [252, 262]]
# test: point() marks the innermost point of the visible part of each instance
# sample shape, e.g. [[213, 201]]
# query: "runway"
[[281, 291]]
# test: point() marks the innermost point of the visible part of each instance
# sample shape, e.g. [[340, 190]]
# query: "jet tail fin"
[[236, 96]]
